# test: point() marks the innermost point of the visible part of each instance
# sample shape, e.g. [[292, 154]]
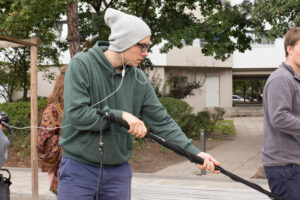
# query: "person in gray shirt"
[[4, 144], [281, 102]]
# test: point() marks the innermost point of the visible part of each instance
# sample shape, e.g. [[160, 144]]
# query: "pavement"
[[240, 156]]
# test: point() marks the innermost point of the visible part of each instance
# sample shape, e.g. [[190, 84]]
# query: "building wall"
[[191, 62], [198, 100], [261, 56], [44, 87], [192, 56]]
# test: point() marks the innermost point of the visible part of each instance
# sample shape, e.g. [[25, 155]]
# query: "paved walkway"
[[240, 156], [183, 181]]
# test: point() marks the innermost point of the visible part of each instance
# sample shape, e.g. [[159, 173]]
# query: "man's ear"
[[289, 49]]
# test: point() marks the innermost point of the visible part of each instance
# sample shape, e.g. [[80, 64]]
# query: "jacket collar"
[[291, 70]]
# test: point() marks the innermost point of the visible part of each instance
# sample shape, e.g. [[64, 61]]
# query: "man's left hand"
[[209, 162]]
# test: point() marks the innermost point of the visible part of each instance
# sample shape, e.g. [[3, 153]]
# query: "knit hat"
[[126, 30]]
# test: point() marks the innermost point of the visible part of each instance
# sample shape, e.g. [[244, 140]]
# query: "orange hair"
[[57, 95]]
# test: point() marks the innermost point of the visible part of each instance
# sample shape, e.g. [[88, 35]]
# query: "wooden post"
[[34, 118]]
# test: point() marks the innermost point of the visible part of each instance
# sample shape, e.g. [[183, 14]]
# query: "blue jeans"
[[284, 181], [78, 181]]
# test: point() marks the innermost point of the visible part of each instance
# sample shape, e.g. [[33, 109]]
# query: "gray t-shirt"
[[4, 144], [281, 101]]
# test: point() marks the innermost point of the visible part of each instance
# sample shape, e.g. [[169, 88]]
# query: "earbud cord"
[[136, 78], [123, 75]]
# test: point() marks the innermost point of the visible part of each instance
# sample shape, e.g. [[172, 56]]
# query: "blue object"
[[78, 181], [284, 181]]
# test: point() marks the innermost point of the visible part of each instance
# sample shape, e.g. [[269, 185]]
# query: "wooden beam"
[[34, 118], [30, 42]]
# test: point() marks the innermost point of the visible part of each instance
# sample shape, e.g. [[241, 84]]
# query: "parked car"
[[255, 97], [237, 98]]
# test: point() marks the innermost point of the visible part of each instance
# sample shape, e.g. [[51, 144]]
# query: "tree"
[[179, 87], [241, 86], [274, 17], [223, 27], [24, 19], [73, 28]]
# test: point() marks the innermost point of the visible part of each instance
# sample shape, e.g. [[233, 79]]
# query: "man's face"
[[136, 54], [294, 54]]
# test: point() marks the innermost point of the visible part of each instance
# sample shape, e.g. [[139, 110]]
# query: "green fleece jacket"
[[89, 79]]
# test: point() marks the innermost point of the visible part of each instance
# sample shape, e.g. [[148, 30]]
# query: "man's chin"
[[133, 65]]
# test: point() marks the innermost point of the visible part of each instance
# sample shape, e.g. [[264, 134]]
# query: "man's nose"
[[145, 53]]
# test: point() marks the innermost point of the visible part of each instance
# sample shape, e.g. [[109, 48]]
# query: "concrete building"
[[215, 76], [218, 76]]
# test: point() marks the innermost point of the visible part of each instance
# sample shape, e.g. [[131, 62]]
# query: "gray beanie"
[[126, 30]]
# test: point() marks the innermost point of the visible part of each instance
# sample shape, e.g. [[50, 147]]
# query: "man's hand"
[[209, 162], [137, 127]]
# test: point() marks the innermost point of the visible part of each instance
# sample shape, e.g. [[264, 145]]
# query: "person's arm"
[[164, 125], [82, 115], [280, 100]]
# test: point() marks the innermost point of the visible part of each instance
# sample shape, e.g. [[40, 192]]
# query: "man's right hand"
[[137, 127]]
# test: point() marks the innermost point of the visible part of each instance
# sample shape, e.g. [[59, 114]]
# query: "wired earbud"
[[123, 75]]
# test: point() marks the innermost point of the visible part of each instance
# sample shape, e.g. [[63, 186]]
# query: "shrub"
[[203, 118], [220, 113], [225, 127], [190, 126], [190, 123], [19, 114], [176, 108]]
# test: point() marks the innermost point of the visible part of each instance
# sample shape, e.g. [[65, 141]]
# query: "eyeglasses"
[[144, 47]]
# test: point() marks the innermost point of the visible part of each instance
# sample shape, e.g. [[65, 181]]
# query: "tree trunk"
[[25, 83], [73, 29]]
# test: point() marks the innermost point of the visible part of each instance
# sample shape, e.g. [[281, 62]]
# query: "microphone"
[[4, 122], [3, 117]]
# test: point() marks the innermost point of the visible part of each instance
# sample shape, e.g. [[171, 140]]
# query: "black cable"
[[192, 157], [101, 145]]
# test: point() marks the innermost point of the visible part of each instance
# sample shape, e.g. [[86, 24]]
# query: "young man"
[[281, 147], [106, 77]]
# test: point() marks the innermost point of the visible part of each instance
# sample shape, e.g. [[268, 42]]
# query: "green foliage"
[[19, 114], [21, 17], [224, 127], [176, 108], [248, 87], [219, 113], [203, 118], [162, 149], [139, 141], [190, 123], [24, 19], [223, 27], [180, 87], [281, 15]]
